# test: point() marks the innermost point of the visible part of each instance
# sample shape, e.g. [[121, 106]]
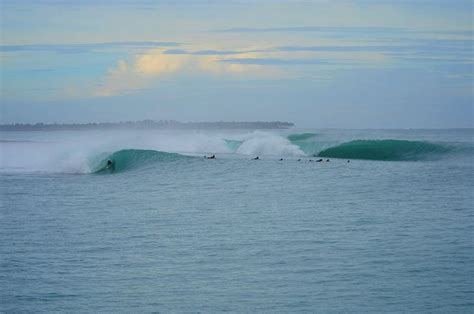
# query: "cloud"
[[433, 49], [156, 64], [275, 61], [348, 31], [311, 29], [362, 48], [162, 62], [84, 47], [269, 63], [211, 52]]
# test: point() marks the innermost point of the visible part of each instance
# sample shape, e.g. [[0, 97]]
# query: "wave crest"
[[300, 137], [263, 143], [390, 150], [305, 141], [127, 159]]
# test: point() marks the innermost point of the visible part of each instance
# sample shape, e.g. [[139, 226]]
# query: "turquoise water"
[[168, 230]]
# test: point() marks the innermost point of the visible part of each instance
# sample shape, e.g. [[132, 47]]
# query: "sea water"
[[167, 230]]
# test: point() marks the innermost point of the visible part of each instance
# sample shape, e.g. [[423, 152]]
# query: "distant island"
[[146, 124]]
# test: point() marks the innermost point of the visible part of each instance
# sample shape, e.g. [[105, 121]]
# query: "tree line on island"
[[146, 124]]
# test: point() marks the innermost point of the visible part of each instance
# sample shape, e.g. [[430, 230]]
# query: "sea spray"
[[263, 143]]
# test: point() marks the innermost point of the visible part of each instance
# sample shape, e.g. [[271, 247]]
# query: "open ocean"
[[169, 231]]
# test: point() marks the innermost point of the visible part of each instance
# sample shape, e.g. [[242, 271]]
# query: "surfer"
[[256, 158], [327, 160], [211, 157], [281, 159], [319, 160], [110, 165]]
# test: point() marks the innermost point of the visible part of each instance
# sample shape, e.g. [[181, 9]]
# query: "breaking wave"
[[263, 143], [233, 145], [300, 137], [128, 159], [393, 150], [82, 153], [306, 142]]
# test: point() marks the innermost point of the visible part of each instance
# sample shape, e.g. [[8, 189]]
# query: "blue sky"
[[318, 63]]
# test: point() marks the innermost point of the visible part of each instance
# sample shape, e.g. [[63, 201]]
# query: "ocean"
[[386, 225]]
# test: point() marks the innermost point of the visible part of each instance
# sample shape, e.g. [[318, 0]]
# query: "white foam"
[[265, 143]]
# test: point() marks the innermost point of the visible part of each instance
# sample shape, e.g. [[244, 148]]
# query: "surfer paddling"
[[211, 157]]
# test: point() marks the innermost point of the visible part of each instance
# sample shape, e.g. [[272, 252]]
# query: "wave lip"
[[233, 145], [128, 159], [300, 137], [388, 150], [305, 141]]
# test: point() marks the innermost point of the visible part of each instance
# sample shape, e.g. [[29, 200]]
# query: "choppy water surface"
[[168, 230]]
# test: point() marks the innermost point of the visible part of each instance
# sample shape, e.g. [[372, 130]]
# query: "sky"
[[317, 63]]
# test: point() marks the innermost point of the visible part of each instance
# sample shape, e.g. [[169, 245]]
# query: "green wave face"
[[233, 144], [301, 137], [394, 150], [128, 159], [304, 141]]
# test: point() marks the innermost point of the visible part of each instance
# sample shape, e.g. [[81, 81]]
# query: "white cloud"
[[155, 64]]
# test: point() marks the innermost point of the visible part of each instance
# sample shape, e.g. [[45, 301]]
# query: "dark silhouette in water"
[[281, 159], [327, 160], [211, 157], [348, 161], [110, 165], [256, 158], [319, 160]]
